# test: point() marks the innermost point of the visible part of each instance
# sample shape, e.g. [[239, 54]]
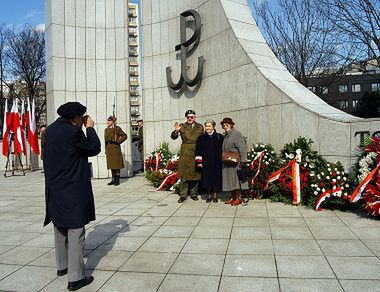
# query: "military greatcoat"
[[113, 138], [189, 135]]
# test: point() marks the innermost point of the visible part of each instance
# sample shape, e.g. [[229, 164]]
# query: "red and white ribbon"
[[296, 182], [334, 193], [158, 159], [259, 156], [166, 180], [357, 194]]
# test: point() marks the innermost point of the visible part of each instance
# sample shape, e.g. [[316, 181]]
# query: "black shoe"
[[79, 284], [111, 183], [117, 180], [181, 200], [215, 200], [194, 198], [208, 200], [61, 272]]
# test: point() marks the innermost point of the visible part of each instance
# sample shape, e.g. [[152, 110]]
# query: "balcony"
[[132, 12], [132, 31], [133, 82], [133, 43], [134, 72], [134, 92], [135, 113], [135, 103], [133, 52], [133, 63], [133, 24]]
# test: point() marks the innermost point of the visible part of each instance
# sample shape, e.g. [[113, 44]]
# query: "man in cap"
[[68, 191], [189, 132], [140, 145], [114, 136]]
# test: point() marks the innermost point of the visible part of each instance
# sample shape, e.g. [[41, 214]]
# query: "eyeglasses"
[[190, 117]]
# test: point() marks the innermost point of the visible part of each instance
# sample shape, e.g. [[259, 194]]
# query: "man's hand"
[[90, 123], [177, 127]]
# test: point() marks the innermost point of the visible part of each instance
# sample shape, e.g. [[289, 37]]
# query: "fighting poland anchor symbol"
[[183, 48]]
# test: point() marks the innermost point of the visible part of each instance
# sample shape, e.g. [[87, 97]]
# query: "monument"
[[87, 60]]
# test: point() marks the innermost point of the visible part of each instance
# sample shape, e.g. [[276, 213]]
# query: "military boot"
[[117, 180], [112, 182]]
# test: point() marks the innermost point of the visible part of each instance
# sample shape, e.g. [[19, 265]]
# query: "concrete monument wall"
[[242, 79], [87, 61]]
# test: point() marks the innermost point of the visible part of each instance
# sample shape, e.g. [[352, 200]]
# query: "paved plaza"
[[146, 241]]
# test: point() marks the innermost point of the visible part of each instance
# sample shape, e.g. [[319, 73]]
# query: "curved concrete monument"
[[87, 61], [242, 79]]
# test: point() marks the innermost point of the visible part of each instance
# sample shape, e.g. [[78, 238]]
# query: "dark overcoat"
[[113, 151], [68, 191], [209, 147], [186, 164]]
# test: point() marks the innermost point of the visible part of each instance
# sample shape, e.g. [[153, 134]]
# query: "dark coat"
[[209, 147], [113, 151], [186, 165], [68, 191]]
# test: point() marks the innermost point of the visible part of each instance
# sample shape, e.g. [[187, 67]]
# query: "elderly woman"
[[208, 153], [233, 142]]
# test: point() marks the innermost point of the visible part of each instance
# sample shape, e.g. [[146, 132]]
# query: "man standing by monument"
[[114, 136], [68, 192], [189, 132]]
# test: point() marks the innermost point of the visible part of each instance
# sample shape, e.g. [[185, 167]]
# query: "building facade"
[[134, 66], [344, 91]]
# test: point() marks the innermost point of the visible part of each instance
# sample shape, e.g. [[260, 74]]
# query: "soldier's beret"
[[189, 112], [71, 109], [110, 118], [140, 120]]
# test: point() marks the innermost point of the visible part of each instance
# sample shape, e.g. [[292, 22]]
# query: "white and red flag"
[[6, 130], [14, 126], [32, 128], [357, 194], [23, 127]]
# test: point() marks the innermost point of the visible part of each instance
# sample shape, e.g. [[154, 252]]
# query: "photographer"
[[68, 191], [114, 136]]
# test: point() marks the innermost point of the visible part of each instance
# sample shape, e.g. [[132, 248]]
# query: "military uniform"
[[186, 167], [113, 151]]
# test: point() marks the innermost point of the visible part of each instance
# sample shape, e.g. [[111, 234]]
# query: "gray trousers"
[[188, 187], [69, 247]]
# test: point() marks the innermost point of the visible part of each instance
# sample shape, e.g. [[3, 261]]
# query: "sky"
[[20, 12]]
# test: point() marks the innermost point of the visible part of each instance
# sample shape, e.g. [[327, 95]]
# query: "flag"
[[14, 126], [275, 176], [357, 194], [23, 127], [334, 193], [32, 128], [6, 130]]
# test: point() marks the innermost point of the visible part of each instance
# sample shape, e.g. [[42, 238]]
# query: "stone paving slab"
[[146, 241]]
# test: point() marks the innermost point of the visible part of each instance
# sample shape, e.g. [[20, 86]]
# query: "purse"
[[231, 158]]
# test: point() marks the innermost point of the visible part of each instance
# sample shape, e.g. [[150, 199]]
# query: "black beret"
[[110, 118], [189, 112], [71, 109], [140, 120]]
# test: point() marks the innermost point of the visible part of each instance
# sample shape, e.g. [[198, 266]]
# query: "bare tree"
[[359, 20], [26, 63], [302, 36], [3, 40]]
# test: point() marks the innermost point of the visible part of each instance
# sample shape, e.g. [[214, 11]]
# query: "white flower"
[[334, 180], [329, 169], [334, 187], [327, 177], [338, 172], [315, 193], [322, 173], [272, 152], [256, 145], [266, 162], [347, 185], [328, 164], [262, 145], [344, 178], [318, 189], [323, 190], [339, 177], [299, 151], [311, 173]]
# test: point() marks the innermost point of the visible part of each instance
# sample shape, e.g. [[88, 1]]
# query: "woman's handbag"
[[231, 158]]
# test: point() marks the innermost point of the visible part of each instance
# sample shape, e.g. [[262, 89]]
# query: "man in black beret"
[[68, 191], [189, 132]]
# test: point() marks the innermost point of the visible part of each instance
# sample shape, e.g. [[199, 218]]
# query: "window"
[[343, 88], [132, 39], [356, 88], [134, 109], [133, 88], [134, 98], [132, 30], [133, 78], [131, 10], [355, 103], [375, 86], [325, 89], [343, 104], [132, 19], [311, 88], [133, 59]]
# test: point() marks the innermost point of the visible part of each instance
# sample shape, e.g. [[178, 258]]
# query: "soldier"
[[189, 132], [114, 136], [140, 145]]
